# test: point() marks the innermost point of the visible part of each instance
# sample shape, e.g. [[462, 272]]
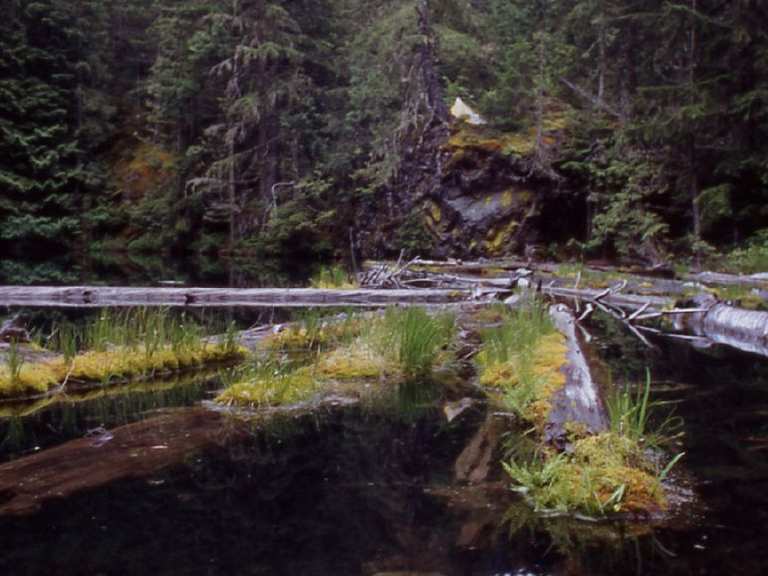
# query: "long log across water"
[[116, 296]]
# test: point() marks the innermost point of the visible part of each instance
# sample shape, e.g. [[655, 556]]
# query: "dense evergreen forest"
[[610, 128]]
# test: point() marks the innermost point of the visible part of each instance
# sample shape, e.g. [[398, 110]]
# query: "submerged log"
[[113, 296], [579, 400], [134, 451]]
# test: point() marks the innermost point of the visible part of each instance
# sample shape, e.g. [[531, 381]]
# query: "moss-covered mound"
[[357, 353], [104, 366], [522, 365]]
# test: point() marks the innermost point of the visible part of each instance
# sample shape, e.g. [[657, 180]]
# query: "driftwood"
[[745, 330], [103, 296], [579, 400]]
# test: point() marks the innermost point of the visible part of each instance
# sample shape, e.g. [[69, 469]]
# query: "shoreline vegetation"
[[115, 348]]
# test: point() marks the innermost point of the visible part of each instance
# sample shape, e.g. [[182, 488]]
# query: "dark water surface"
[[369, 490], [130, 269]]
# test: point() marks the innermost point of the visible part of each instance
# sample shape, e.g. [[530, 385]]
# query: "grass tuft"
[[117, 345], [522, 359], [333, 277]]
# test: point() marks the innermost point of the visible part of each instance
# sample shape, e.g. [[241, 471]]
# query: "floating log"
[[630, 302], [114, 296], [718, 278], [579, 401], [745, 330]]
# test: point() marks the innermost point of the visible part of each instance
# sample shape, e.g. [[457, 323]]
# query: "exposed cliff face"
[[481, 192]]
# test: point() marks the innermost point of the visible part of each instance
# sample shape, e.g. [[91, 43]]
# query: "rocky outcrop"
[[480, 192]]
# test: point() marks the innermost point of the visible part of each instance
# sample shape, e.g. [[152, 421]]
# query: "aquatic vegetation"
[[402, 345], [522, 360], [268, 385], [602, 474], [630, 415], [333, 277], [356, 361], [413, 338], [127, 363], [521, 364], [28, 379], [117, 346], [14, 361], [316, 332]]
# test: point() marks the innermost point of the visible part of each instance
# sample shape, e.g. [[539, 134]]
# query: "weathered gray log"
[[625, 301], [745, 330], [579, 400], [718, 278], [106, 296]]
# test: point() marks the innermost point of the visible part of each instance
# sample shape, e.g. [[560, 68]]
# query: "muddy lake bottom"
[[160, 484]]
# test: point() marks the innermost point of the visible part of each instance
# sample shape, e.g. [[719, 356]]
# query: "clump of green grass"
[[518, 334], [603, 473], [333, 277], [125, 345], [402, 346], [413, 338], [14, 363], [522, 358], [520, 361], [270, 382], [630, 415]]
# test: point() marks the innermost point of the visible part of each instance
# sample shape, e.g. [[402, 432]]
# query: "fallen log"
[[745, 330], [114, 296], [718, 278], [134, 451], [631, 302], [579, 400]]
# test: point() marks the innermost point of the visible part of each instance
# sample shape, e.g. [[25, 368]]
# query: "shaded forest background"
[[298, 128]]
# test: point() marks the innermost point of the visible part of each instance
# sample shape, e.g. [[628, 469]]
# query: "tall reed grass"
[[413, 338], [630, 415]]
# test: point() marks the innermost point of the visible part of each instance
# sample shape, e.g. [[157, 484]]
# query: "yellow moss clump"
[[96, 366], [615, 462], [353, 363], [271, 390], [31, 380], [603, 474], [100, 366], [539, 372]]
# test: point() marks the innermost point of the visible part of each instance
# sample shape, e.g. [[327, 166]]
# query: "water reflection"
[[134, 269], [26, 428]]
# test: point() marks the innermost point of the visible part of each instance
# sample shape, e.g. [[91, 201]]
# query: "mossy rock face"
[[489, 197], [479, 191]]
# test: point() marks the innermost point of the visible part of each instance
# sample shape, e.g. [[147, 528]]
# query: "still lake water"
[[158, 484]]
